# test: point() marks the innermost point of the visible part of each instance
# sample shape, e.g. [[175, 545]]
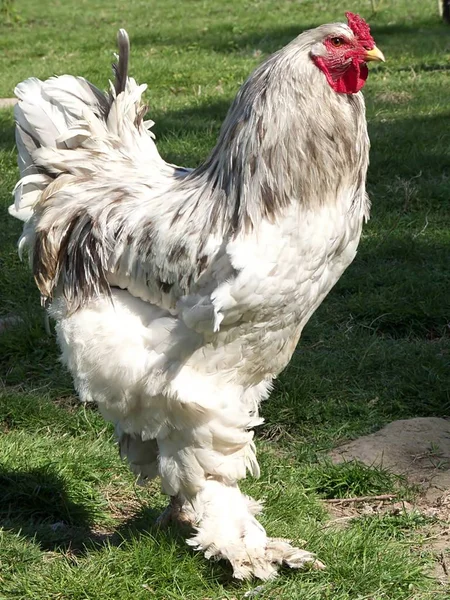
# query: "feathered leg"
[[142, 456], [201, 465], [227, 528]]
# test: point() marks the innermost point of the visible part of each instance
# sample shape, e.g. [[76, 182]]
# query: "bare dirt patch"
[[419, 450], [7, 102]]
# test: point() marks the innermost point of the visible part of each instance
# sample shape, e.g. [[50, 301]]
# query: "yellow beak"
[[374, 54]]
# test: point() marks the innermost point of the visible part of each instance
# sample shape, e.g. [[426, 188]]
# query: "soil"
[[419, 450], [6, 102]]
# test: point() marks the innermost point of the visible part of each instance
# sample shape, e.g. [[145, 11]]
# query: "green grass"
[[73, 523]]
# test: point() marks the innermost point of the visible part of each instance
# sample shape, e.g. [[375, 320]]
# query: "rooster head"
[[343, 52]]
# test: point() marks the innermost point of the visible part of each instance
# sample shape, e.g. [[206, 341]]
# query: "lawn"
[[73, 523]]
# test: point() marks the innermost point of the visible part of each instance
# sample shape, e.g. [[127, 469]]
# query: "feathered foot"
[[280, 551], [173, 513], [263, 562], [227, 529]]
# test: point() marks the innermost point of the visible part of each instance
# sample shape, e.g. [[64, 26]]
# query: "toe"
[[281, 551]]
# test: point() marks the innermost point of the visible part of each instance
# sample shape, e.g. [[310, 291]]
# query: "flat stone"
[[7, 102], [418, 449]]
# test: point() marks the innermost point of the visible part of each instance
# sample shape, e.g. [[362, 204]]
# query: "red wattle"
[[348, 82], [352, 79]]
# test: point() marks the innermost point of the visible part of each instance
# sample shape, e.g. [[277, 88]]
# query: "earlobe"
[[320, 63]]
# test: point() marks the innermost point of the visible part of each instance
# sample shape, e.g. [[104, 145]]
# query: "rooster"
[[179, 295]]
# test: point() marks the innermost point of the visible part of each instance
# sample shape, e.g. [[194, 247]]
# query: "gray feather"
[[121, 68]]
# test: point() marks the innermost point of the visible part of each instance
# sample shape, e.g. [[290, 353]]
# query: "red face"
[[344, 62]]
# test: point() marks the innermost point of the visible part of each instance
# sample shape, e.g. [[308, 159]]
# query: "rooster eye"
[[337, 41]]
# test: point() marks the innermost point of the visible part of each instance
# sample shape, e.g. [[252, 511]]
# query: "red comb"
[[360, 28]]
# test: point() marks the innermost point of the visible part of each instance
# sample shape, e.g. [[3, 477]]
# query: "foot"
[[265, 564], [281, 551], [226, 528], [173, 513]]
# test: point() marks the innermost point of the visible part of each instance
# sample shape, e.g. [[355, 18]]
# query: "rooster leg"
[[201, 461], [226, 528], [142, 456], [173, 513]]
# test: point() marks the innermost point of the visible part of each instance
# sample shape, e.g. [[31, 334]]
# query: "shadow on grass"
[[226, 39], [36, 505], [7, 130], [38, 495]]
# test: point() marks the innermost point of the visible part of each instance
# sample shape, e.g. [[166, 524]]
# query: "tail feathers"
[[75, 93], [53, 118], [26, 145], [67, 125], [121, 68], [27, 193], [37, 115]]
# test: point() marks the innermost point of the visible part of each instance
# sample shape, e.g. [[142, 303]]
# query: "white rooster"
[[179, 295]]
